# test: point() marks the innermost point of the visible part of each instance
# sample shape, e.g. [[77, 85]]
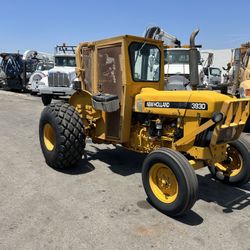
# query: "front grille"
[[58, 79], [236, 113], [215, 82]]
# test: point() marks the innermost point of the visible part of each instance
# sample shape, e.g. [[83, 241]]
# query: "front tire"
[[169, 182], [46, 99], [235, 170], [62, 136]]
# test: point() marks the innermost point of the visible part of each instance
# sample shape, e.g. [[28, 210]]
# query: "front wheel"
[[169, 181], [235, 170]]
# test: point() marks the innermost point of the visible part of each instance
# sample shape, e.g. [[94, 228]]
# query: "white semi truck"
[[59, 81]]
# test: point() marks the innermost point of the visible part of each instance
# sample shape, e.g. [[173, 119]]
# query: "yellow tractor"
[[241, 71], [119, 99]]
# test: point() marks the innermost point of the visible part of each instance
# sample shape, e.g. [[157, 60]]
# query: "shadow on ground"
[[82, 167], [119, 160], [228, 197], [124, 162]]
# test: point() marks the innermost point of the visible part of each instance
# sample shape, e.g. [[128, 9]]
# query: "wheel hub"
[[233, 164], [49, 137], [163, 183]]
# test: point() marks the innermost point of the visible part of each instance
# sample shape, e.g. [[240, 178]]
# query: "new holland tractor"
[[119, 100]]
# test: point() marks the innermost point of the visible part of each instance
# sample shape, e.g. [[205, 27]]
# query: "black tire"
[[242, 176], [62, 136], [185, 176], [46, 99], [33, 93], [247, 126]]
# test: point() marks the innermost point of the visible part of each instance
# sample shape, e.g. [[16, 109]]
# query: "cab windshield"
[[65, 61], [145, 62]]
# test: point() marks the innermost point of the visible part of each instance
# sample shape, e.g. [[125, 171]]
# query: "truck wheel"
[[46, 99], [169, 181], [62, 136], [235, 170]]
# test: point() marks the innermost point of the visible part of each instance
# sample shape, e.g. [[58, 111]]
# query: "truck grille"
[[57, 79]]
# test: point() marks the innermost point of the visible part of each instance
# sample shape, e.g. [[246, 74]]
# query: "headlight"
[[217, 117]]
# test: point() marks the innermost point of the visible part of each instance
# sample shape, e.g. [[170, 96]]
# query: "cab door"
[[109, 81]]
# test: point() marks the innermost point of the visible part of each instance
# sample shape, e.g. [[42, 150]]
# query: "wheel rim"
[[233, 165], [49, 137], [163, 183]]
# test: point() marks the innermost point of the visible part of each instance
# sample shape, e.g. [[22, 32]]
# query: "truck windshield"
[[215, 72], [44, 66], [176, 56], [65, 61], [145, 62]]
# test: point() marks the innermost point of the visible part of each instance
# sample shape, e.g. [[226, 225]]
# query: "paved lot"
[[101, 203]]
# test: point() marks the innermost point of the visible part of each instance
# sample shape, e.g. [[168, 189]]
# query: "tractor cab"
[[111, 73]]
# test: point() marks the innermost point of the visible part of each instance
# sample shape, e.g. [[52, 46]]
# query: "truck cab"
[[212, 76], [176, 68]]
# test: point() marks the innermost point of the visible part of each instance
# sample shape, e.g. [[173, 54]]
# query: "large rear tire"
[[235, 170], [169, 182], [62, 136]]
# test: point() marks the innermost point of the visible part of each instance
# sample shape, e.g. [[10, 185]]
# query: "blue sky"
[[31, 24]]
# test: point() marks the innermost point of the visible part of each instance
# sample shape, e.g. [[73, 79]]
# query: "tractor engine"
[[149, 132]]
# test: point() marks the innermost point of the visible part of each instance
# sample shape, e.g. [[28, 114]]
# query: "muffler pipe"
[[194, 61]]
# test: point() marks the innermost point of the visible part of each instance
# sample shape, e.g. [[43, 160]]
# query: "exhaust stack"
[[194, 61]]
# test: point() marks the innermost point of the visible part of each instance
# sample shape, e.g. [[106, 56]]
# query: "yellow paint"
[[49, 137], [196, 164], [163, 183], [233, 165]]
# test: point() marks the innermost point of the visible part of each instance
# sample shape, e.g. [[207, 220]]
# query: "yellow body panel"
[[213, 100]]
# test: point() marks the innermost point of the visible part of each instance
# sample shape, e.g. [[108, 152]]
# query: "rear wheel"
[[62, 136], [169, 181], [46, 99], [235, 170]]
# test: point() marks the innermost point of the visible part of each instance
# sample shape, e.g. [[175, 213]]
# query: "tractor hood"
[[179, 103]]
